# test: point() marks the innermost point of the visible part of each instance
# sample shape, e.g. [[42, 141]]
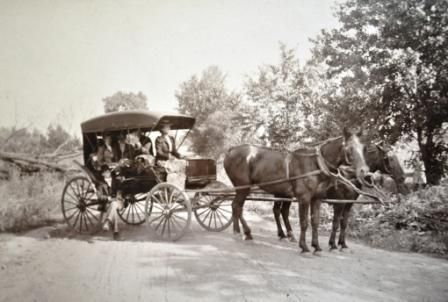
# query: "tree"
[[387, 70], [121, 101], [277, 97], [208, 100]]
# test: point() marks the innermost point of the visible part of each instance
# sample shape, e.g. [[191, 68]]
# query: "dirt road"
[[207, 266]]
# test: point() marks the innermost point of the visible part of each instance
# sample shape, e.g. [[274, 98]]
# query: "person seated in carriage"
[[169, 158], [132, 151], [143, 145], [123, 154], [100, 161]]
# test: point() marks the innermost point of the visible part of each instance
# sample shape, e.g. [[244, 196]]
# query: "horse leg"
[[236, 223], [315, 219], [276, 210], [304, 206], [237, 211], [286, 205], [344, 223], [337, 214], [246, 229]]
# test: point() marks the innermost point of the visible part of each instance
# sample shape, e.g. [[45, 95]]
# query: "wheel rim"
[[134, 212], [80, 206], [213, 213], [170, 211]]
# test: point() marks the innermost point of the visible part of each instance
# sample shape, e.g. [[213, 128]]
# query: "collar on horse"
[[326, 167]]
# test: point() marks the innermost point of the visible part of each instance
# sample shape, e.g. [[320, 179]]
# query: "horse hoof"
[[306, 254], [305, 250], [248, 237], [317, 253], [333, 248], [292, 239]]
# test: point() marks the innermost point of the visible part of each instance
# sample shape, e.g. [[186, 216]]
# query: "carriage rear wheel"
[[213, 213], [80, 206], [133, 212], [169, 211]]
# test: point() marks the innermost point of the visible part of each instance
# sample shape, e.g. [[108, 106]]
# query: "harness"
[[323, 165]]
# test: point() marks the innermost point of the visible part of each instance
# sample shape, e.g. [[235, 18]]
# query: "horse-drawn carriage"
[[166, 207]]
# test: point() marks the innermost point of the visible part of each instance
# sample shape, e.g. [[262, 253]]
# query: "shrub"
[[417, 222], [29, 201]]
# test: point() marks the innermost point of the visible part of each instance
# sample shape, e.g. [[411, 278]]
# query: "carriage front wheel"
[[80, 206], [213, 213], [169, 211]]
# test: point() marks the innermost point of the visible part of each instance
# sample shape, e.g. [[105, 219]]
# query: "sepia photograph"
[[239, 150]]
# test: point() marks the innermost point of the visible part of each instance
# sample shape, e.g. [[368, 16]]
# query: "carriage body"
[[199, 171]]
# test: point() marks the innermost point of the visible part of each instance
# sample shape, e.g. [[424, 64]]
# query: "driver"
[[169, 158]]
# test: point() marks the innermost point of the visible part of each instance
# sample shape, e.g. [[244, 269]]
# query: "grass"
[[30, 201]]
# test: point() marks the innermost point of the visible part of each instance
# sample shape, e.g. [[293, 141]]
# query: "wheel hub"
[[166, 212], [82, 205]]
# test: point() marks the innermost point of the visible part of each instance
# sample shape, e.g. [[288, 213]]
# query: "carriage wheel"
[[134, 210], [79, 205], [170, 211], [213, 213]]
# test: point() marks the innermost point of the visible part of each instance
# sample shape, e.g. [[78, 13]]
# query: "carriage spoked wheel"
[[133, 212], [80, 206], [213, 213], [169, 211]]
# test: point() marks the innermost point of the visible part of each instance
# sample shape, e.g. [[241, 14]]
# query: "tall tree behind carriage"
[[386, 67], [215, 107], [277, 97], [122, 101]]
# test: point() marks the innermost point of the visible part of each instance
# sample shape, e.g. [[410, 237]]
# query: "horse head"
[[382, 158], [348, 150], [355, 156]]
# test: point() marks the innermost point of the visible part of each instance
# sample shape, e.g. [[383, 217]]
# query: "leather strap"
[[287, 163]]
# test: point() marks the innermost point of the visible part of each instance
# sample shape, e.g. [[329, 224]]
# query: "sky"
[[59, 59]]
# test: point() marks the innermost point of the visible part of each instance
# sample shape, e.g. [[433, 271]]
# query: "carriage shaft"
[[273, 199]]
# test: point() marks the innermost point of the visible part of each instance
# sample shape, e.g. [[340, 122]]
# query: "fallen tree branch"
[[55, 152], [62, 156], [20, 160]]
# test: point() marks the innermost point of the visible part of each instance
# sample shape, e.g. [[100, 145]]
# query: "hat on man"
[[165, 123]]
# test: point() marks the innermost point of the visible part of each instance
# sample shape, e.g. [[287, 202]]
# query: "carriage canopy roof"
[[136, 119]]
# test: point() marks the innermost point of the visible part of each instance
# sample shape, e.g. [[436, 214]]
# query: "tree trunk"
[[433, 166]]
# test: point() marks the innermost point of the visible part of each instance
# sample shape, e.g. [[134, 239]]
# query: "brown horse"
[[248, 165], [379, 158]]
